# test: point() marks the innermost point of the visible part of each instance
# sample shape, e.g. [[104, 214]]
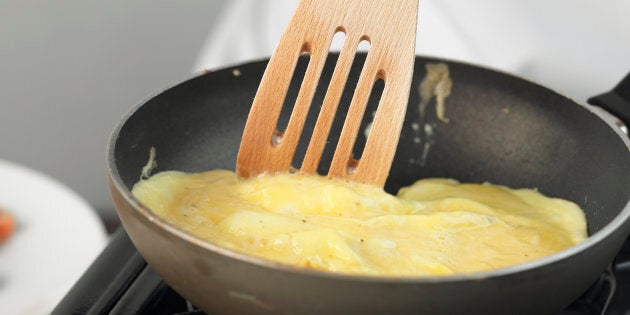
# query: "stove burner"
[[120, 282], [597, 298]]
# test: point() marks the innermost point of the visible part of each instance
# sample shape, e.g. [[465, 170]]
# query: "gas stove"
[[120, 282]]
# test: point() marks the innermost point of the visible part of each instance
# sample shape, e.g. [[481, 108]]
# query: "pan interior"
[[501, 129]]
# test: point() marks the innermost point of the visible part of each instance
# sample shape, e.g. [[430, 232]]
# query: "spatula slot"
[[344, 104], [364, 44], [368, 118], [289, 101], [316, 105]]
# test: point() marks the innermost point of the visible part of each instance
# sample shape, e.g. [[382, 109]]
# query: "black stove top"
[[120, 282]]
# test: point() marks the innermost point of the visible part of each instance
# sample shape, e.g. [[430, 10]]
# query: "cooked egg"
[[433, 227]]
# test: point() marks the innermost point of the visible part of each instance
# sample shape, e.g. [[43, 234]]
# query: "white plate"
[[57, 238]]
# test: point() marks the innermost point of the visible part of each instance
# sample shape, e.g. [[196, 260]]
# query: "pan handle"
[[617, 101]]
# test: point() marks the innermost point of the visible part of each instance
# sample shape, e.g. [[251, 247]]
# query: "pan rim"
[[615, 225]]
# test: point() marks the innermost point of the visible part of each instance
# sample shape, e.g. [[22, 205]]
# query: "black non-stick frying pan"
[[501, 129]]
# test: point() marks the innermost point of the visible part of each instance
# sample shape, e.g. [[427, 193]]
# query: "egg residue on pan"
[[433, 227]]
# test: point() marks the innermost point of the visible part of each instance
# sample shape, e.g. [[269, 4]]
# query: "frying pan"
[[501, 129]]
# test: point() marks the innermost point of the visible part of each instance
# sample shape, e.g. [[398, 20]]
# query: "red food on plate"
[[7, 225]]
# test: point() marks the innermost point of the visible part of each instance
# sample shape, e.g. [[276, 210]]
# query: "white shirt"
[[579, 48]]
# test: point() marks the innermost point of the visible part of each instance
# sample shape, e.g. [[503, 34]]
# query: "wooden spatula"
[[390, 28]]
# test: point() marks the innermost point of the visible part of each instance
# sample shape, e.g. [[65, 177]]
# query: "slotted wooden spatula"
[[390, 28]]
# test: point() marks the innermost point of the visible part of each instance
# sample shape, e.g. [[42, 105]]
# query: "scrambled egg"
[[433, 227]]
